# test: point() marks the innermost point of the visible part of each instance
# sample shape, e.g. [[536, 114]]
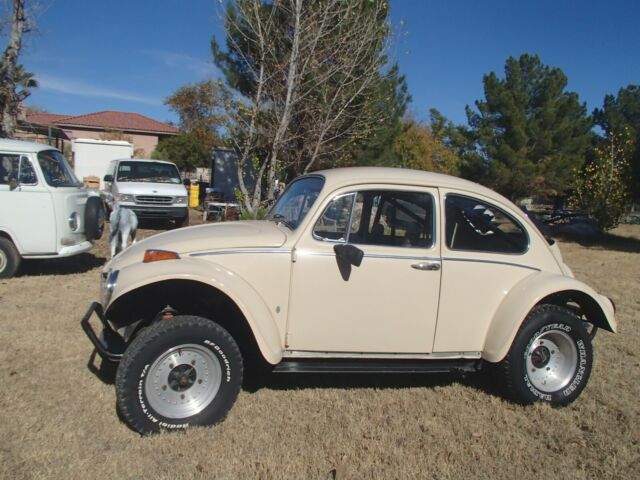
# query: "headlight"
[[181, 200], [108, 285], [124, 197], [74, 221]]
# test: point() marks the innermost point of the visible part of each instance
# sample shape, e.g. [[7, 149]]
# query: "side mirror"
[[350, 253], [186, 182], [108, 178]]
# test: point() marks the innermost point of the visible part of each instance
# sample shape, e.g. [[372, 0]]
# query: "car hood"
[[203, 238], [152, 188]]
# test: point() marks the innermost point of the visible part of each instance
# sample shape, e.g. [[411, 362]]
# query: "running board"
[[376, 366]]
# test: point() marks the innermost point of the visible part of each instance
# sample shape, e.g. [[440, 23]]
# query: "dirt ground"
[[58, 419]]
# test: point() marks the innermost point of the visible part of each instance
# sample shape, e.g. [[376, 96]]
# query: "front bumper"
[[109, 344], [143, 211]]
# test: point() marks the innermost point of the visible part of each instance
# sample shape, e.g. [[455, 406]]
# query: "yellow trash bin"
[[194, 195]]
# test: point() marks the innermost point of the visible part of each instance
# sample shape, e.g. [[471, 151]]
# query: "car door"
[[26, 207], [387, 304]]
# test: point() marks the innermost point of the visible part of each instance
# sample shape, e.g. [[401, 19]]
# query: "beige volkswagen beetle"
[[354, 270]]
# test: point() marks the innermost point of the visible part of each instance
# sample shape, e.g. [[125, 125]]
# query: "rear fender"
[[539, 288], [247, 299]]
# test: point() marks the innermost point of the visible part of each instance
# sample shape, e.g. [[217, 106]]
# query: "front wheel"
[[9, 258], [178, 373], [550, 359]]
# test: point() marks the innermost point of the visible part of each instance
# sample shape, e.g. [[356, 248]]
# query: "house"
[[60, 130]]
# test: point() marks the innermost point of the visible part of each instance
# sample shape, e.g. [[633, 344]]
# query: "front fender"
[[248, 300], [528, 293]]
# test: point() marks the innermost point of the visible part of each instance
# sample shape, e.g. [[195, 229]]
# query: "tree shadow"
[[61, 266], [604, 241]]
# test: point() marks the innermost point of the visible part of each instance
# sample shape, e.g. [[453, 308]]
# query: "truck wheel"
[[9, 258], [550, 359], [178, 373], [94, 218]]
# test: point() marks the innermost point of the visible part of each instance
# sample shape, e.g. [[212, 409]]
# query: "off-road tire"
[[550, 359], [94, 218], [9, 258], [153, 352]]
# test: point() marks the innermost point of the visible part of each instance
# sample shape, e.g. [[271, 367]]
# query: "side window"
[[478, 226], [379, 217], [8, 168], [333, 224], [27, 173], [16, 169]]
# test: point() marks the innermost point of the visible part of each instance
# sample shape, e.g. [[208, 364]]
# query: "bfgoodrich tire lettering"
[[550, 359], [178, 373]]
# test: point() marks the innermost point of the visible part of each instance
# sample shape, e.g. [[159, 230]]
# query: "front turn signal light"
[[158, 255]]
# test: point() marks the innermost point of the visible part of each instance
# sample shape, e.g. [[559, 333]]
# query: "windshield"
[[56, 170], [295, 202], [152, 172]]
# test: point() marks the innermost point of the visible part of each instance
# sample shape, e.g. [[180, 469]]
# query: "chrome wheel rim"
[[552, 360], [3, 260], [183, 381]]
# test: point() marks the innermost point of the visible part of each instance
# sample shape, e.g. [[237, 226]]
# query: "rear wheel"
[[9, 258], [178, 373], [550, 359]]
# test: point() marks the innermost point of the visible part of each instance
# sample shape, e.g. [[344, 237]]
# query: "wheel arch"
[[4, 233], [536, 290], [245, 317]]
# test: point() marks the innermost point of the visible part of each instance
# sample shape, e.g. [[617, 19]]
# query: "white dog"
[[124, 224]]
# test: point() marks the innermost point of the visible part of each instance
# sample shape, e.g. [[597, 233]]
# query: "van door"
[[26, 206]]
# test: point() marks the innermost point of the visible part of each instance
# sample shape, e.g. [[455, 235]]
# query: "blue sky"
[[130, 55]]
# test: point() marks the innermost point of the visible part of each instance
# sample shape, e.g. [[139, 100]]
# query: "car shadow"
[[61, 266], [481, 381], [605, 241]]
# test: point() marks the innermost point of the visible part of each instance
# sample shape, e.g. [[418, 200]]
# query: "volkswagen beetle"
[[353, 270]]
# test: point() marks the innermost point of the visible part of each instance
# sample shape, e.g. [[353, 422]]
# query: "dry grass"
[[58, 420]]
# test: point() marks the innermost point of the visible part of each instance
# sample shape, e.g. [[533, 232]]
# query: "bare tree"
[[304, 73], [12, 75]]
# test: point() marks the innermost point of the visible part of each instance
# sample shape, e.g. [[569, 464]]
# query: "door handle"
[[426, 266]]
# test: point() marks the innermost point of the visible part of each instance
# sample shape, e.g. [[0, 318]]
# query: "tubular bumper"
[[110, 345]]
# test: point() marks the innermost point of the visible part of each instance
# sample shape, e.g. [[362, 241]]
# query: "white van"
[[151, 188], [44, 211]]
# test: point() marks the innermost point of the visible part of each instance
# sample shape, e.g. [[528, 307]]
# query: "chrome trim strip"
[[371, 255], [388, 356], [233, 252], [496, 262]]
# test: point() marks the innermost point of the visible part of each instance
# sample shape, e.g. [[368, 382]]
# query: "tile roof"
[[125, 121], [45, 118]]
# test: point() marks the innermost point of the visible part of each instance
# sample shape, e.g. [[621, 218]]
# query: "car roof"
[[23, 147], [341, 177]]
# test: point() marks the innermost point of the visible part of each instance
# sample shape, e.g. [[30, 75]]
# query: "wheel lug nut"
[[548, 368], [199, 380], [171, 365], [193, 362], [182, 396], [164, 387]]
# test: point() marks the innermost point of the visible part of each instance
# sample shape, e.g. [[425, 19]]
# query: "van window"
[[13, 166], [56, 170]]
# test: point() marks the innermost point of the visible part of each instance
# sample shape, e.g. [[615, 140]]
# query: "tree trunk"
[[9, 99]]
